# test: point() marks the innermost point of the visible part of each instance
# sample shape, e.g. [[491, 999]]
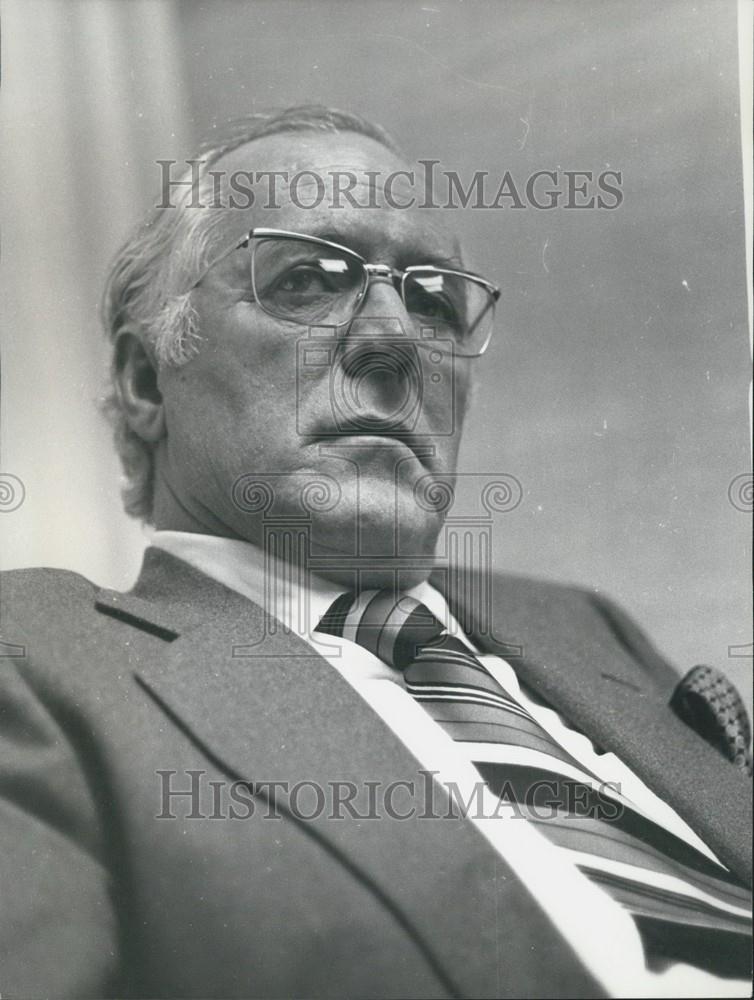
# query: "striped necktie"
[[687, 907]]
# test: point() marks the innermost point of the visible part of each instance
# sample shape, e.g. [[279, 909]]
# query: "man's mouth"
[[421, 445]]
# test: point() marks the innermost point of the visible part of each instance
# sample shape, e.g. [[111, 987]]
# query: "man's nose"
[[380, 380], [381, 313]]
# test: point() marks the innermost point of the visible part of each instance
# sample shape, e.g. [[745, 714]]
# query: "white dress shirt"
[[599, 930]]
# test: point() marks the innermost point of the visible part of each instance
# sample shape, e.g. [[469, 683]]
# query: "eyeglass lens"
[[309, 283]]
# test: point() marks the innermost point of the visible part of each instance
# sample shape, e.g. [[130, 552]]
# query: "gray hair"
[[151, 277]]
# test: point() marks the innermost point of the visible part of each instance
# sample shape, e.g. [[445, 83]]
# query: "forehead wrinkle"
[[426, 240], [400, 249], [298, 151], [392, 235]]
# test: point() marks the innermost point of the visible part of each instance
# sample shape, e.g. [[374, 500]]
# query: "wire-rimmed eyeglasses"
[[312, 281]]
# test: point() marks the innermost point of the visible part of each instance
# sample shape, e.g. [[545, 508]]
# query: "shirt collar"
[[283, 590]]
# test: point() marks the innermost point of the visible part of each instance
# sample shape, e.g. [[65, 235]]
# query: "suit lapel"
[[266, 708], [574, 662]]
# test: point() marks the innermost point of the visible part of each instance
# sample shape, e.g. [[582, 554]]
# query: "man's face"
[[255, 405]]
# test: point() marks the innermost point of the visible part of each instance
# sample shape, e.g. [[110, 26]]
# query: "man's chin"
[[386, 550], [367, 533], [364, 575]]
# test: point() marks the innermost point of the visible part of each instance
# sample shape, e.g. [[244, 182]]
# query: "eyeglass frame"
[[377, 270]]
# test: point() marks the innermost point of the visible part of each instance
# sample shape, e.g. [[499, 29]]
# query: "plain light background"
[[616, 392]]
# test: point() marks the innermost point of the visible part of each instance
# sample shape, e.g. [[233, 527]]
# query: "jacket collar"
[[576, 664], [244, 691], [573, 661]]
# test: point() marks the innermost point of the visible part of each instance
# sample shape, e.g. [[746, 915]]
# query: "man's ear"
[[136, 379]]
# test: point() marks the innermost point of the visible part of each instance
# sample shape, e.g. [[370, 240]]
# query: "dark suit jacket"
[[100, 690]]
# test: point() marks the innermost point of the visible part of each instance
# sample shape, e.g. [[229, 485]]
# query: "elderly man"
[[291, 761]]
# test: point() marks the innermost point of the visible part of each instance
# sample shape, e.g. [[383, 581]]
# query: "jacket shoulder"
[[44, 583], [572, 608], [43, 595]]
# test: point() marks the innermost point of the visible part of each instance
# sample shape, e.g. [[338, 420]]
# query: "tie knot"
[[390, 625]]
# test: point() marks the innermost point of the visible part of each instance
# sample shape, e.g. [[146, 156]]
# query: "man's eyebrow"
[[335, 237], [406, 255], [454, 261]]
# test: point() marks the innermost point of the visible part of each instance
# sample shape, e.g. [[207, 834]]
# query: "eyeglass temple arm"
[[490, 305]]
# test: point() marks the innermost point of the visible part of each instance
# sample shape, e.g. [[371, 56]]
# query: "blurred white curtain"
[[92, 95]]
